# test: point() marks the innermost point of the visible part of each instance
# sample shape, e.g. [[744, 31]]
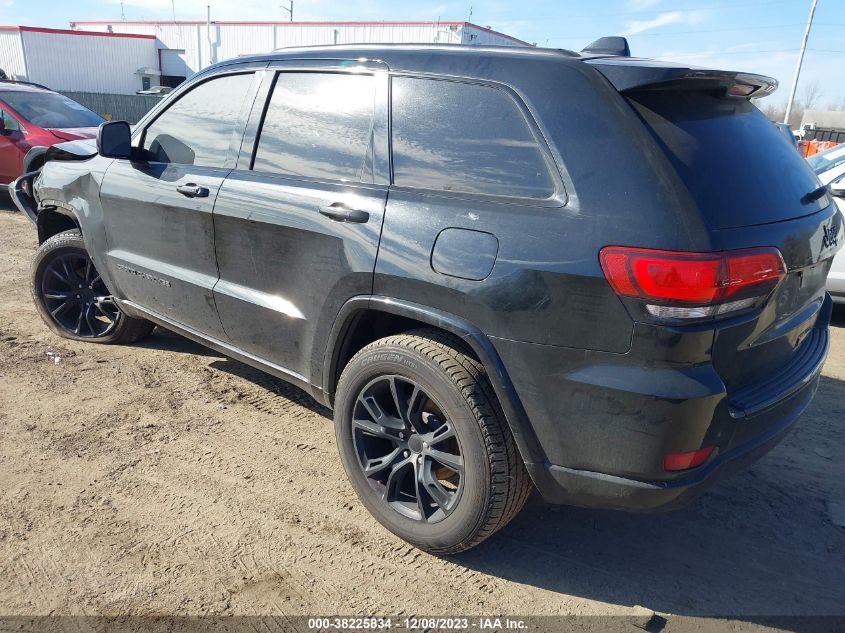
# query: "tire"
[[482, 480], [63, 268]]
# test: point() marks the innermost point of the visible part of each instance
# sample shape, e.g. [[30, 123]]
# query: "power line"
[[732, 5], [719, 54], [669, 33], [584, 18]]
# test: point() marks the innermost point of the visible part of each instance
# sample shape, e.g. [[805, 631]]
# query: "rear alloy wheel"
[[73, 299], [407, 449], [425, 444]]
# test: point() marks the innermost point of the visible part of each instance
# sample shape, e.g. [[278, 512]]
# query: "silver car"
[[830, 168]]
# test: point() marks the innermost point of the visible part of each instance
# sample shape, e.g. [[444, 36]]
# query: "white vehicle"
[[830, 168], [155, 90]]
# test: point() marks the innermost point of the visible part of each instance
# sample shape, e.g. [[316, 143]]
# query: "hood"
[[73, 133], [81, 149]]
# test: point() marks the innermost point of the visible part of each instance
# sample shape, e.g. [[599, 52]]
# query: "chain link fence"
[[116, 107]]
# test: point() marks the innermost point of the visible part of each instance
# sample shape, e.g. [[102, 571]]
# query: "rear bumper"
[[605, 423], [558, 484]]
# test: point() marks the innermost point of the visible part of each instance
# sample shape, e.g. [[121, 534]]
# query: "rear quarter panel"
[[546, 285]]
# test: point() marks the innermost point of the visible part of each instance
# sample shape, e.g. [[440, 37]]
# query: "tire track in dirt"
[[161, 478]]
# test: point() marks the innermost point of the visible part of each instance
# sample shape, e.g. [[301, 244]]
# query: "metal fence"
[[116, 107]]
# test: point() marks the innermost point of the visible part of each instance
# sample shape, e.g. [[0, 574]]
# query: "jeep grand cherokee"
[[592, 274]]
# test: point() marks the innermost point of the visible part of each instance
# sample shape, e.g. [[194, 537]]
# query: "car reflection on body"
[[830, 168]]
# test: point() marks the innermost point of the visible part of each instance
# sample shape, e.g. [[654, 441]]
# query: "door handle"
[[192, 190], [341, 213]]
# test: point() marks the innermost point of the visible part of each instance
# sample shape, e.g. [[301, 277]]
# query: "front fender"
[[72, 188]]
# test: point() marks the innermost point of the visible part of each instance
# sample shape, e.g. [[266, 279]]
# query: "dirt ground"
[[163, 478]]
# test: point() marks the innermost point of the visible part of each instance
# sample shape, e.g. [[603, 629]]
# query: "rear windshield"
[[50, 110], [739, 169]]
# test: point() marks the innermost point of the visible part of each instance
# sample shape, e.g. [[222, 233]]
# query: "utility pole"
[[122, 12], [173, 8], [208, 35], [800, 61], [469, 19], [289, 9]]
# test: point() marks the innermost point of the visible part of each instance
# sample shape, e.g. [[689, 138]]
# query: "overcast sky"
[[750, 35]]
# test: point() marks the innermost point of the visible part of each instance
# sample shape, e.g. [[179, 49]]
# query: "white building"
[[825, 119], [62, 60], [186, 47]]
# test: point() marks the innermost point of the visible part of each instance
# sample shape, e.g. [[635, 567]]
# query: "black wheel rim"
[[76, 297], [407, 449]]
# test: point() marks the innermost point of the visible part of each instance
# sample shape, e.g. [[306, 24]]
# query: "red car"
[[31, 116]]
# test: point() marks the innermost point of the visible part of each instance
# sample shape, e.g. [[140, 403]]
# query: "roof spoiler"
[[629, 74], [614, 46]]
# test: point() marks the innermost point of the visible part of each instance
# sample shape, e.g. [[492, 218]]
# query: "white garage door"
[[173, 63]]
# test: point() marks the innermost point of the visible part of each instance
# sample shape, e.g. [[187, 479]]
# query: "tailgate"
[[752, 189], [756, 348]]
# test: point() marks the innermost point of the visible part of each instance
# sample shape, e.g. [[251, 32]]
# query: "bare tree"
[[774, 111], [810, 95], [808, 100], [837, 104]]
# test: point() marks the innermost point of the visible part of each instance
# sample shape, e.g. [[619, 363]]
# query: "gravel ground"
[[162, 478]]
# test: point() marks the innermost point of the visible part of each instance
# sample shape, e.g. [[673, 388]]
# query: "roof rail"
[[614, 46]]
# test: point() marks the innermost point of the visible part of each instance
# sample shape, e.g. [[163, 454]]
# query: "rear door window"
[[467, 138], [739, 169], [197, 129], [318, 125]]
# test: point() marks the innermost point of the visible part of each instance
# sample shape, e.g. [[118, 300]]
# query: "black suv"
[[592, 274]]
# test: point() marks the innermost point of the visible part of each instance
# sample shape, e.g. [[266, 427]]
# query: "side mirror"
[[114, 139], [837, 189], [3, 130]]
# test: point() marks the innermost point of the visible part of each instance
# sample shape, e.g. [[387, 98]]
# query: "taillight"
[[683, 285]]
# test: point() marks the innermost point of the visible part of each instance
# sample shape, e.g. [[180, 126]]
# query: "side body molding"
[[520, 426]]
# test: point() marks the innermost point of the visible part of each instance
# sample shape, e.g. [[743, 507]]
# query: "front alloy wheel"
[[72, 299], [76, 297]]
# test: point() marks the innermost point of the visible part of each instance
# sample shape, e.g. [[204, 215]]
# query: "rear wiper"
[[814, 195]]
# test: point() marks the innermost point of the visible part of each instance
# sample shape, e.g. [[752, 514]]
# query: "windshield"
[[50, 110], [739, 168], [827, 160]]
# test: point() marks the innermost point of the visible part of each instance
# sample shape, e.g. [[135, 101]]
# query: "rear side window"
[[468, 138], [739, 169], [197, 129], [318, 125]]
